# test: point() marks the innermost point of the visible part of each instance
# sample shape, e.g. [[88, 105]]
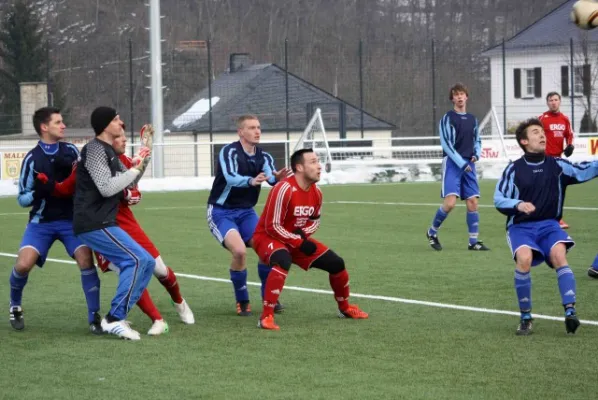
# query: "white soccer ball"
[[584, 14]]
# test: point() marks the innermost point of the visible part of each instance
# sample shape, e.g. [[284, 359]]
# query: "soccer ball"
[[585, 14]]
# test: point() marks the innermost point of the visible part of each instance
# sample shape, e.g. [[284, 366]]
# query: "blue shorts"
[[41, 236], [457, 182], [540, 236], [222, 220]]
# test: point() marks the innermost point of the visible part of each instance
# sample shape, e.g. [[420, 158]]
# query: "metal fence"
[[400, 82]]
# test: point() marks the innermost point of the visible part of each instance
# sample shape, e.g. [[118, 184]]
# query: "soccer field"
[[435, 331]]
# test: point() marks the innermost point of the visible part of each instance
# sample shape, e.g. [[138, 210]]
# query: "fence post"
[[131, 97], [286, 88], [361, 87], [48, 78], [572, 91], [434, 123], [504, 87], [210, 106]]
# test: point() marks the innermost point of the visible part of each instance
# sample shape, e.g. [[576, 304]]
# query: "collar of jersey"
[[49, 149], [534, 156]]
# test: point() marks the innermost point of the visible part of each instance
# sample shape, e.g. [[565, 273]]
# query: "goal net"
[[400, 151]]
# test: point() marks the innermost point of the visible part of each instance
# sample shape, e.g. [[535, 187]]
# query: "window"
[[578, 79], [527, 82]]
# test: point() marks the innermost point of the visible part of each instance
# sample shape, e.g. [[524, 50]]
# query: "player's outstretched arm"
[[270, 171], [578, 172], [96, 164], [447, 141], [505, 194]]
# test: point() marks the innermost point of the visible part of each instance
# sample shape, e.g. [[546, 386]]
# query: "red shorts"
[[265, 246], [134, 230]]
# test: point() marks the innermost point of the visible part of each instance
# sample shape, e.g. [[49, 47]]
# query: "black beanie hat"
[[101, 118]]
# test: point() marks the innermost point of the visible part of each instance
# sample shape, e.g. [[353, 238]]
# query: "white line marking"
[[384, 203], [362, 296]]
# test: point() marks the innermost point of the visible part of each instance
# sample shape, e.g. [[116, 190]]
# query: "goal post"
[[314, 137]]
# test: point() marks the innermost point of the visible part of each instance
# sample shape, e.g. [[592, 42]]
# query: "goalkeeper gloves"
[[142, 159], [308, 247], [568, 150], [132, 196]]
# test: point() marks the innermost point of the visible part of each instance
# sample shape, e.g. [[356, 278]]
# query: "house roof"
[[553, 29], [260, 90]]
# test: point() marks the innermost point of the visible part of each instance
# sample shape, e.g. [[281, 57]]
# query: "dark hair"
[[550, 94], [458, 87], [521, 131], [297, 158], [43, 116]]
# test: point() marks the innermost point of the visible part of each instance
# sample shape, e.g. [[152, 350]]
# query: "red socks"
[[148, 307], [172, 286], [340, 286], [274, 286]]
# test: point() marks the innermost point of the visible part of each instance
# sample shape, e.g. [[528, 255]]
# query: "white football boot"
[[120, 329], [185, 312], [158, 327]]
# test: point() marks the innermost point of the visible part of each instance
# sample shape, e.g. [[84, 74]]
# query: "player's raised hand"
[[258, 180], [526, 208], [282, 173], [142, 159]]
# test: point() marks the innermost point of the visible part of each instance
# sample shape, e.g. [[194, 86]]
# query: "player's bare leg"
[[448, 204], [238, 271], [567, 285], [168, 279], [523, 287], [26, 260], [473, 219], [90, 282]]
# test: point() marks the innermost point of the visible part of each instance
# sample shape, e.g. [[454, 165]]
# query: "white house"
[[538, 60]]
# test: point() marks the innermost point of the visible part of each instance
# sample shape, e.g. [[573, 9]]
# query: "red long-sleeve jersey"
[[557, 128], [125, 215], [289, 208]]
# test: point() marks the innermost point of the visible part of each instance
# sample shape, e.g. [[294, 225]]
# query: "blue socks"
[[567, 287], [239, 280], [437, 221], [91, 288], [473, 223], [263, 271], [523, 287], [17, 284]]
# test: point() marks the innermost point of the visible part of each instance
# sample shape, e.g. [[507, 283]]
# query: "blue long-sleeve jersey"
[[459, 137], [234, 171], [56, 161], [542, 183]]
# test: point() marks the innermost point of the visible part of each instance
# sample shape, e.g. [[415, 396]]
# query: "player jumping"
[[241, 169], [45, 170], [283, 236], [461, 146], [531, 193]]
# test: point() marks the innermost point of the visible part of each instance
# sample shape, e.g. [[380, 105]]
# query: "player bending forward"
[[283, 237], [127, 222]]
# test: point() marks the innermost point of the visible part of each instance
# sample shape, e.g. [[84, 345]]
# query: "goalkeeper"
[[461, 148]]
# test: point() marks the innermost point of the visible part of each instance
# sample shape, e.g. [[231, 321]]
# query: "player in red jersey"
[[283, 237], [558, 130], [127, 222]]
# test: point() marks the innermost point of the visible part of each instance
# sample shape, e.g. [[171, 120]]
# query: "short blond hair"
[[244, 118]]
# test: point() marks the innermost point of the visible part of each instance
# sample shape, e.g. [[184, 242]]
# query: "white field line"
[[361, 296]]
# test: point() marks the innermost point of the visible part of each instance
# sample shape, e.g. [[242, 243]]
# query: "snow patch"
[[195, 112]]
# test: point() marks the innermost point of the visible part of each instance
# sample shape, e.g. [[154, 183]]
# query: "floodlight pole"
[[156, 88]]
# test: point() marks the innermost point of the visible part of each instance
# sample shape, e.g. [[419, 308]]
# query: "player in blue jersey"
[[48, 166], [531, 193], [241, 169], [461, 148]]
